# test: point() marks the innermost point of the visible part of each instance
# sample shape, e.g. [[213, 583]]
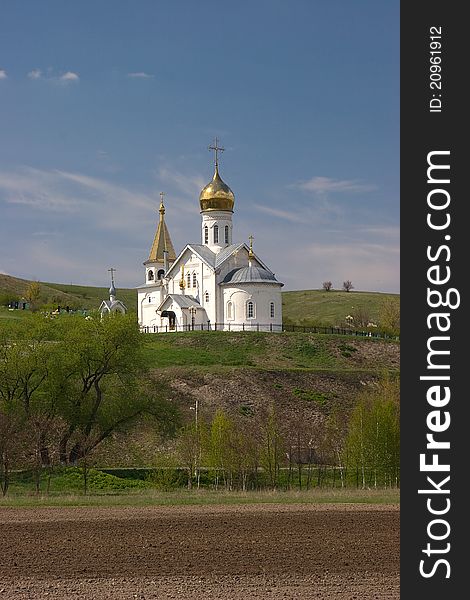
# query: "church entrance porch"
[[171, 316]]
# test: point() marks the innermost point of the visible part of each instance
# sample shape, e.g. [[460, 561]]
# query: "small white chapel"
[[215, 284]]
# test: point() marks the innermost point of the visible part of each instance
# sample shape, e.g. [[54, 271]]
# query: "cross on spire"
[[112, 270], [161, 210], [251, 238], [216, 149]]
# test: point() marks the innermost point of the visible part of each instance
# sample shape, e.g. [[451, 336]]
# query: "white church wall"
[[261, 296]]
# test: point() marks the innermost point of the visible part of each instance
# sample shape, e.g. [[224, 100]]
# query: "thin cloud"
[[69, 77], [188, 184], [140, 75], [3, 74], [323, 185], [281, 214], [47, 233], [35, 74]]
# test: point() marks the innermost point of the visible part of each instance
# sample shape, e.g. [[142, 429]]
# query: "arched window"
[[271, 310], [150, 275], [206, 296], [160, 274], [206, 234], [250, 309], [194, 280], [216, 234], [229, 309], [226, 234], [188, 279]]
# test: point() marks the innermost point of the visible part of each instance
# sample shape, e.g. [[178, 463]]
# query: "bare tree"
[[347, 285], [327, 286], [361, 317]]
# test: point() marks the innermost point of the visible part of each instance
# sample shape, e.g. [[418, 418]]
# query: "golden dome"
[[216, 195]]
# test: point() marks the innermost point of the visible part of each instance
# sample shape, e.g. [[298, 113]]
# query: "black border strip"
[[423, 131]]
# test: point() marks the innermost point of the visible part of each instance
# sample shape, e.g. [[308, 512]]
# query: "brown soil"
[[236, 552]]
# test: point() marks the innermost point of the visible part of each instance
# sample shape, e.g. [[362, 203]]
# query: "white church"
[[215, 284]]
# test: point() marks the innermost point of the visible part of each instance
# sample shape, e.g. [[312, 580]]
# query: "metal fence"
[[271, 327]]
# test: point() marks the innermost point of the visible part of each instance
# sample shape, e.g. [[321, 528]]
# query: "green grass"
[[262, 351], [151, 497], [317, 307], [91, 297], [75, 296]]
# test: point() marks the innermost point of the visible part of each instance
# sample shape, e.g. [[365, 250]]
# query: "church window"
[[250, 309], [226, 234], [206, 234], [188, 278], [206, 296], [216, 234], [150, 275], [194, 280], [160, 274], [229, 309], [271, 310]]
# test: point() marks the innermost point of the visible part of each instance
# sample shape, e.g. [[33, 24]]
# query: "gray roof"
[[226, 253], [211, 258], [215, 260], [110, 305], [250, 274], [182, 301], [204, 252]]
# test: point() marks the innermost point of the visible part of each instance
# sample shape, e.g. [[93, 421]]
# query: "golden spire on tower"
[[162, 242]]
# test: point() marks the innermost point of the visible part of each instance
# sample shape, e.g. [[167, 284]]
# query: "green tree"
[[32, 295], [86, 375], [389, 317], [102, 369], [220, 448], [373, 442]]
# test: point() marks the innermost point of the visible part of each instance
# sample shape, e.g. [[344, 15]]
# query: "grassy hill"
[[317, 307], [305, 375], [75, 296], [307, 307]]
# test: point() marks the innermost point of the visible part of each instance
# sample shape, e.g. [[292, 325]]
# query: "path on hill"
[[250, 551]]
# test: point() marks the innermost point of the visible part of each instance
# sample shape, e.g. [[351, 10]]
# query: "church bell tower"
[[216, 201]]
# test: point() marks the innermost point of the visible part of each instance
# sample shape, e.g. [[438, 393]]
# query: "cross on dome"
[[216, 149]]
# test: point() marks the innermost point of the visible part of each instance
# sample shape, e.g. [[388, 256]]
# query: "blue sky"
[[105, 103]]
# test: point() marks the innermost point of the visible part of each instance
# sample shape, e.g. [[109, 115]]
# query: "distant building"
[[214, 284], [112, 305]]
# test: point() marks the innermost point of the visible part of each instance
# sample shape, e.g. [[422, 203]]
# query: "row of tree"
[[359, 447]]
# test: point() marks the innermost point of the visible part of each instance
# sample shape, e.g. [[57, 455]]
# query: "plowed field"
[[342, 551]]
